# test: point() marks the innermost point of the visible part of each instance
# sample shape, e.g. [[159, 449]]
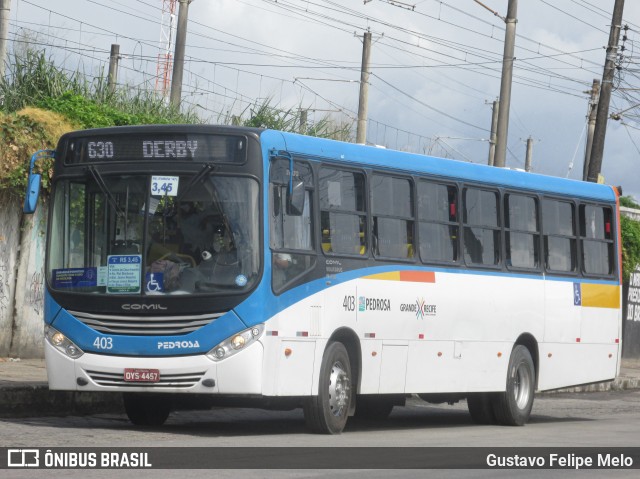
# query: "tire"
[[481, 408], [327, 412], [371, 407], [513, 407], [146, 409]]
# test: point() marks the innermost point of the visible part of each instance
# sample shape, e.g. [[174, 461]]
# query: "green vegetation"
[[86, 102], [22, 134], [630, 230], [629, 202], [265, 116]]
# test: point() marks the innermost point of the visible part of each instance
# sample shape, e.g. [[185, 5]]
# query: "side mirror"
[[33, 182], [33, 191], [295, 197]]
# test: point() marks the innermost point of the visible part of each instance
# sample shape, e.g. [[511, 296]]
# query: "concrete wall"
[[9, 241], [27, 341], [22, 249]]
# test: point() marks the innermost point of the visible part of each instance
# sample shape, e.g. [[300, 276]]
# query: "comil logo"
[[23, 458]]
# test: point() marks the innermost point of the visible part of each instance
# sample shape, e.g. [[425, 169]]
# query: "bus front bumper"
[[238, 374]]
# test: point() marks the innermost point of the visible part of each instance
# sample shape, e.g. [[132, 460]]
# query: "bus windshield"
[[154, 234]]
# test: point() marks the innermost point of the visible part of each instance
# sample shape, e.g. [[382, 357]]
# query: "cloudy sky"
[[436, 67]]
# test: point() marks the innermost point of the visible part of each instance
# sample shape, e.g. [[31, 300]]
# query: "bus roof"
[[375, 157]]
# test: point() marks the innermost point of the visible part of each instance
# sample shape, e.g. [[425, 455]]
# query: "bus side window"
[[522, 231], [342, 212], [438, 222], [558, 226], [481, 227], [291, 236], [392, 208], [596, 236]]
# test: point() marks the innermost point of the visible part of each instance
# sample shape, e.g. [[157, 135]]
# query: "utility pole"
[[494, 128], [527, 160], [593, 110], [303, 122], [5, 7], [361, 131], [505, 83], [178, 64], [597, 149], [112, 79]]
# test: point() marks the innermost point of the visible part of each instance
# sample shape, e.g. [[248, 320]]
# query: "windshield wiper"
[[103, 187], [206, 169]]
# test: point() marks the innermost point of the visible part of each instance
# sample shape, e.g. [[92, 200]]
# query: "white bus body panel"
[[239, 374], [444, 332]]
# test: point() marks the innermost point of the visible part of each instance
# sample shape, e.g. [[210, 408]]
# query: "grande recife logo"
[[420, 308]]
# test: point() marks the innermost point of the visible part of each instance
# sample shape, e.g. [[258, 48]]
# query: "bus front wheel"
[[513, 407], [327, 412], [146, 409]]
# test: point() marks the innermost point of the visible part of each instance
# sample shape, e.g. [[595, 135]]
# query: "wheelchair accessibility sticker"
[[154, 282]]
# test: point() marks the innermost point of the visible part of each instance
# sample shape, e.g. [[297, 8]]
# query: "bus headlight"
[[62, 343], [236, 343]]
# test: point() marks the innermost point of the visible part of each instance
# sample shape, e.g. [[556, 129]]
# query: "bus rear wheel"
[[146, 409], [513, 407], [327, 412]]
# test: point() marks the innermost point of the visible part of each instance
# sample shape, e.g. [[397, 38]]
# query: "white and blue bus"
[[235, 266]]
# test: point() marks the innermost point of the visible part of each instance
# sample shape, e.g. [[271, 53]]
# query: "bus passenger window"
[[481, 236], [392, 208], [596, 236], [438, 222], [558, 226], [342, 212], [522, 231]]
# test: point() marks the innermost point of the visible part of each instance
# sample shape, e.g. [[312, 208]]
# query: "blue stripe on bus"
[[367, 156], [207, 337]]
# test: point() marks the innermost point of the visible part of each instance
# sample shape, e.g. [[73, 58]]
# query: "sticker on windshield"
[[164, 185], [241, 280], [74, 278], [154, 282], [123, 273]]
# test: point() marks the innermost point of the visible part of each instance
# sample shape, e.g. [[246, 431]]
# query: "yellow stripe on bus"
[[407, 276], [600, 295]]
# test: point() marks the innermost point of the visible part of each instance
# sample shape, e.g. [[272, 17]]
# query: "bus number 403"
[[349, 303], [103, 343]]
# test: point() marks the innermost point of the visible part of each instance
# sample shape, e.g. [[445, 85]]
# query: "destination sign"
[[154, 146]]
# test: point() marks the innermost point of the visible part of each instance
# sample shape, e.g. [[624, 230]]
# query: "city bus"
[[214, 265]]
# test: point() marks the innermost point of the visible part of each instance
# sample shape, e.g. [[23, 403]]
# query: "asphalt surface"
[[24, 391]]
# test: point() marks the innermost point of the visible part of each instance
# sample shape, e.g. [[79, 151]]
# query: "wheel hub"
[[339, 387], [522, 386]]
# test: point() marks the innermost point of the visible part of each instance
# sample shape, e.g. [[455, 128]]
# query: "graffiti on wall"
[[35, 295], [4, 287]]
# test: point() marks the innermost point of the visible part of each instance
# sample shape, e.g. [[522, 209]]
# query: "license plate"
[[141, 375]]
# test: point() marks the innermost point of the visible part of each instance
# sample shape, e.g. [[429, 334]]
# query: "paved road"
[[609, 419]]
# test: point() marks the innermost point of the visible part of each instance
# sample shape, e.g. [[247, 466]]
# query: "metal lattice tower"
[[166, 46]]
